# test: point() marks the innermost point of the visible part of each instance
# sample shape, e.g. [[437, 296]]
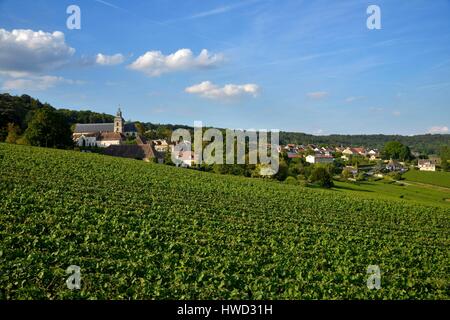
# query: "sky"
[[304, 66]]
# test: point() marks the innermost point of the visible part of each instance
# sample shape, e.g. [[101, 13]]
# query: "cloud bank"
[[207, 89], [106, 60], [36, 83], [29, 51], [438, 130], [155, 63]]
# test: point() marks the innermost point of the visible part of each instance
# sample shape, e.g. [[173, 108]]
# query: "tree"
[[140, 128], [445, 158], [48, 128], [168, 157], [346, 174], [397, 151], [322, 176], [283, 170], [13, 133]]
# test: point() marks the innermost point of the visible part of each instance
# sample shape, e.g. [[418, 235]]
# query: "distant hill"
[[19, 110], [426, 143]]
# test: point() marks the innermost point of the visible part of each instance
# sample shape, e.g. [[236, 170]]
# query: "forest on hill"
[[19, 110]]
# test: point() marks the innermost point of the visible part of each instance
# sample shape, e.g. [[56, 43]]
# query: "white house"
[[318, 158], [373, 154], [185, 159], [102, 139], [161, 145], [426, 165], [87, 140]]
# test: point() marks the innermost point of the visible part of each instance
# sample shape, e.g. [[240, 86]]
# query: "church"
[[104, 134]]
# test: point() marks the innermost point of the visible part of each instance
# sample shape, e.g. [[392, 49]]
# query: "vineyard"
[[146, 231]]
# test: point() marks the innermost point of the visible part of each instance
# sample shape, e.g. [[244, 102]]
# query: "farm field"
[[145, 231], [438, 178], [405, 191]]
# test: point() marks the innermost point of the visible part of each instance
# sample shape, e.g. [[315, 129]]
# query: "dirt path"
[[425, 185]]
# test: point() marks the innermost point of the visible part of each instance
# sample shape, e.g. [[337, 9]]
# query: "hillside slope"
[[147, 231]]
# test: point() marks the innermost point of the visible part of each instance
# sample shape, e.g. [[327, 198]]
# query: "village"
[[121, 139]]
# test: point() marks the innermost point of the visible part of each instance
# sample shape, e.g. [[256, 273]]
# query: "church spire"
[[118, 121]]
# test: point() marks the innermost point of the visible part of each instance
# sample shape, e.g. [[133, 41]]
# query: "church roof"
[[94, 127], [109, 136], [101, 127]]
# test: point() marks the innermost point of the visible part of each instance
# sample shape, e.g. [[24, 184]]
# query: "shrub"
[[322, 177], [291, 180]]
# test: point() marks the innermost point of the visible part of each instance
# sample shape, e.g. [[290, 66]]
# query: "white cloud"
[[209, 90], [32, 51], [396, 113], [154, 63], [36, 83], [438, 129], [317, 95], [106, 60]]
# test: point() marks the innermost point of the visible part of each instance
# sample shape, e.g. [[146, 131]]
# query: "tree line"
[[52, 127]]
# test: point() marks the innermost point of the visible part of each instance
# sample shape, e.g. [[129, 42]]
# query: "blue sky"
[[306, 66]]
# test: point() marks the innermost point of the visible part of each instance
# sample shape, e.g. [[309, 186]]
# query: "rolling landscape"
[[146, 231], [224, 158]]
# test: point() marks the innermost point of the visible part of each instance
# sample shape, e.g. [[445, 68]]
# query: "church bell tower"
[[118, 122]]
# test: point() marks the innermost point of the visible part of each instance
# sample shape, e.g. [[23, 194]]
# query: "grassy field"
[[438, 178], [148, 231], [403, 190]]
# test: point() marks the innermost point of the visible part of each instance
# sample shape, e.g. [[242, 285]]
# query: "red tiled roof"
[[134, 151], [110, 136]]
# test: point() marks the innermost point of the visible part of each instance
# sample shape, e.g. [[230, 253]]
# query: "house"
[[351, 169], [185, 159], [354, 151], [318, 158], [373, 154], [86, 139], [394, 165], [161, 145], [360, 151], [426, 165], [98, 139], [292, 155], [103, 134], [348, 152]]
